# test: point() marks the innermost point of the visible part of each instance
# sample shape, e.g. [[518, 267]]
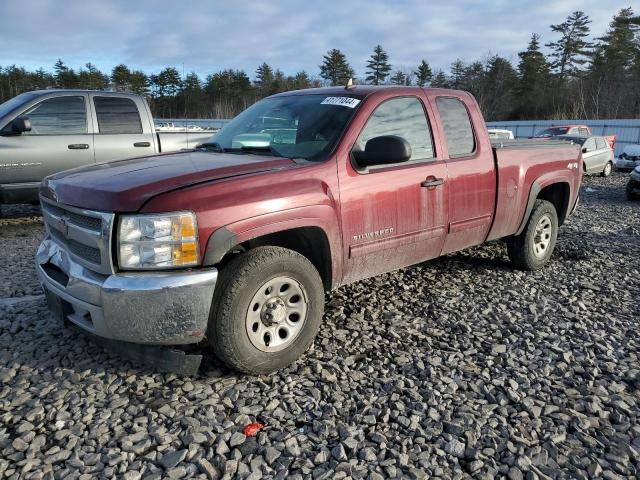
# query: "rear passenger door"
[[472, 177], [120, 131]]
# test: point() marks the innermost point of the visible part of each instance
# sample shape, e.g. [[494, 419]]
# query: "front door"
[[59, 140], [393, 215]]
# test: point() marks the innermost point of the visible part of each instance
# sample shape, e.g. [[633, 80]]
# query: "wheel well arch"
[[309, 241], [559, 195]]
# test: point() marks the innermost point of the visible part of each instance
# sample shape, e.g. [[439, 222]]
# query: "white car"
[[629, 158], [499, 134]]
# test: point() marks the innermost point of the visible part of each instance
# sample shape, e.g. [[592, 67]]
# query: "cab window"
[[600, 143], [457, 127], [58, 116], [404, 117]]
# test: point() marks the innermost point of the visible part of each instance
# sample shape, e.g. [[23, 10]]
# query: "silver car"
[[597, 155]]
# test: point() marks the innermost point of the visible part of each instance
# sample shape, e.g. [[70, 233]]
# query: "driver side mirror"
[[584, 150], [383, 150], [18, 126]]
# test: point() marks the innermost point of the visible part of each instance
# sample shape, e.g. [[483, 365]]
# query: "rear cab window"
[[600, 143], [117, 115], [456, 123]]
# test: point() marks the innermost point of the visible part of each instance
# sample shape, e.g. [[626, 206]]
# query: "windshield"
[[552, 132], [296, 126], [12, 104]]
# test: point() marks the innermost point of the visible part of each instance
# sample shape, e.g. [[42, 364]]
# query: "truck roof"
[[362, 91], [53, 91]]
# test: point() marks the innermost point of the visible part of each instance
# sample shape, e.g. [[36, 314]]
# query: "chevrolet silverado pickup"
[[47, 131], [235, 243]]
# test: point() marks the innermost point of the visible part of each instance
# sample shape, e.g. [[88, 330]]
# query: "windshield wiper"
[[211, 147]]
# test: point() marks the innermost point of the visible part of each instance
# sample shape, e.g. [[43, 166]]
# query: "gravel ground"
[[460, 367]]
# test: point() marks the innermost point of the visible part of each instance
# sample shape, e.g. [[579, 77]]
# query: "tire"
[[238, 331], [631, 195], [522, 249], [608, 168]]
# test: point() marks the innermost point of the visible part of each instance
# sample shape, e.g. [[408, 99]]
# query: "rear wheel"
[[266, 310], [532, 249], [608, 168]]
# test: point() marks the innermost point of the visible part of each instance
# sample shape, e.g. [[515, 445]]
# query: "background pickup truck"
[[48, 131], [235, 243]]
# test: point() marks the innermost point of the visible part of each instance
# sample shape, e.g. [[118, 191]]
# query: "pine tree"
[[264, 78], [399, 78], [457, 73], [335, 68], [533, 71], [65, 77], [423, 74], [572, 50], [378, 66], [120, 77], [440, 80], [139, 82], [92, 78]]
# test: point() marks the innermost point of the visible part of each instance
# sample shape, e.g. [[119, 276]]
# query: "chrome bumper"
[[155, 308]]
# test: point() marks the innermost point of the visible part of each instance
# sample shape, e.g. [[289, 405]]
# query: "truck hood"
[[124, 186]]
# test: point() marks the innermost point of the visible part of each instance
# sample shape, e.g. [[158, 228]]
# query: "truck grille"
[[84, 234]]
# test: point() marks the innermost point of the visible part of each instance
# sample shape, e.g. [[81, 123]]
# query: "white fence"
[[626, 131]]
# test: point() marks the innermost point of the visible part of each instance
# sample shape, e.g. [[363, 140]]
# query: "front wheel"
[[532, 249], [266, 310], [608, 168]]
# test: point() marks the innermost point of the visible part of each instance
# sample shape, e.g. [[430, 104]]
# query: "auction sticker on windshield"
[[341, 101]]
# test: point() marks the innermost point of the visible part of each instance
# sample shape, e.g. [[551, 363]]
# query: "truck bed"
[[518, 164]]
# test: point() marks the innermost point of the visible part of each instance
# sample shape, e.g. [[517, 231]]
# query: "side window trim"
[[87, 115], [464, 156], [412, 162]]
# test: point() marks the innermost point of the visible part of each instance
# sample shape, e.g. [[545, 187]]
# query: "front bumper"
[[153, 308]]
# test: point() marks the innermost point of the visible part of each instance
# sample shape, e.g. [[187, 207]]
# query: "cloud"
[[207, 36]]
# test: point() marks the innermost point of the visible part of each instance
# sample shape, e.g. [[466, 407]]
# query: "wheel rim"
[[607, 169], [276, 314], [542, 237]]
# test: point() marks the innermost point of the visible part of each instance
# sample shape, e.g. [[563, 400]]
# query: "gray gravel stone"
[[457, 367]]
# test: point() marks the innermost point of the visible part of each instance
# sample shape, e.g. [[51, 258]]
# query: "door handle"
[[432, 182], [78, 146], [142, 144]]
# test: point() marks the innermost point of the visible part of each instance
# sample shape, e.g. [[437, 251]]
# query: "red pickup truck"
[[235, 243]]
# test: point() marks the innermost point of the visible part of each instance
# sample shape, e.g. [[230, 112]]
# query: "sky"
[[207, 36]]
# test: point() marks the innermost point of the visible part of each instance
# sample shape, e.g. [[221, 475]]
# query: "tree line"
[[579, 76]]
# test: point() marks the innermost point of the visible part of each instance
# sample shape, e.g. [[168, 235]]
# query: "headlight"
[[157, 241]]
